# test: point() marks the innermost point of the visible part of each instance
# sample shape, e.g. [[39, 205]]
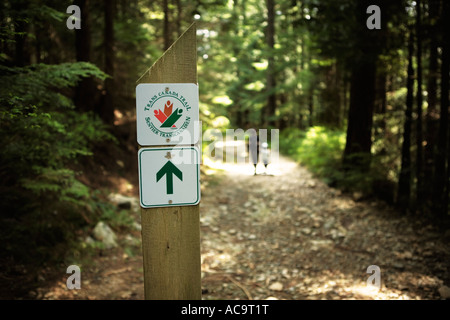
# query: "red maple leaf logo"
[[162, 116]]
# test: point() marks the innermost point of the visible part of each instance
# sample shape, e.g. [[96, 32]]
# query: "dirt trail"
[[286, 235]]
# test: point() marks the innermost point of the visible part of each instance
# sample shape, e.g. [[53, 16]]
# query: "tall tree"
[[441, 172], [330, 112], [20, 30], [432, 115], [419, 133], [404, 183], [358, 144], [360, 117], [239, 114], [179, 17], [166, 28], [367, 45], [85, 91], [271, 106], [107, 107]]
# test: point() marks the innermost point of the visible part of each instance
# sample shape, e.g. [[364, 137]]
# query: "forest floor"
[[284, 235]]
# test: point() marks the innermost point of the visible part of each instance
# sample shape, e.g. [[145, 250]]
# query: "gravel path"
[[286, 235]]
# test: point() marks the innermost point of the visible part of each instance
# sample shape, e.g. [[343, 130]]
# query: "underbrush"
[[320, 149], [45, 206]]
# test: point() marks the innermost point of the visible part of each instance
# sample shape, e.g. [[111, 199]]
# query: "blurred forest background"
[[365, 110]]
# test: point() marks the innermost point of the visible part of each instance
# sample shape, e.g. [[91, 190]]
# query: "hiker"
[[265, 155], [253, 148]]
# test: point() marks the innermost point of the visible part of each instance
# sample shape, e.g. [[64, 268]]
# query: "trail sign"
[[169, 176], [170, 234], [167, 114], [168, 170]]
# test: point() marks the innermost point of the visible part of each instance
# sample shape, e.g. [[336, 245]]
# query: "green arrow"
[[169, 170]]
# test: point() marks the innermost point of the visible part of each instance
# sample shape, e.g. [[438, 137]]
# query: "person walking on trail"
[[265, 155], [253, 147]]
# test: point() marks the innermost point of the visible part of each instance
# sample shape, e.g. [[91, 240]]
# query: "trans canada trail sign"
[[167, 114], [169, 176]]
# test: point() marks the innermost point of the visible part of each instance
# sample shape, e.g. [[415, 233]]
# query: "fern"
[[40, 84], [42, 133]]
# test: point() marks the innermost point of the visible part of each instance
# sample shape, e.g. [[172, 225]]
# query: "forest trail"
[[286, 235]]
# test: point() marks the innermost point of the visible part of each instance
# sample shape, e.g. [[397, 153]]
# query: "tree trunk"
[[285, 120], [107, 107], [311, 106], [301, 35], [360, 116], [167, 30], [20, 29], [345, 95], [83, 35], [179, 17], [239, 114], [85, 92], [329, 115], [297, 97], [271, 75], [357, 152], [441, 173], [432, 115], [404, 182], [419, 133], [380, 103]]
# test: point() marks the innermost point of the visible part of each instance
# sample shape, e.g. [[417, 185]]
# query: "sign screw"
[[170, 201]]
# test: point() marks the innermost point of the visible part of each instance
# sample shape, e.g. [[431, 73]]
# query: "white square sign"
[[169, 176], [167, 114]]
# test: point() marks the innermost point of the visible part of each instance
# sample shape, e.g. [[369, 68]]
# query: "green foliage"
[[114, 217], [40, 84], [40, 142], [43, 137], [319, 148]]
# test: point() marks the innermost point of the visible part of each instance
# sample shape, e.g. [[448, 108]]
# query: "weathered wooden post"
[[171, 235]]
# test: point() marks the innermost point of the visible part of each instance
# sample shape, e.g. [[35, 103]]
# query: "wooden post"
[[171, 235]]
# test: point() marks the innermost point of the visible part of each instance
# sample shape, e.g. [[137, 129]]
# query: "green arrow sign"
[[169, 169]]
